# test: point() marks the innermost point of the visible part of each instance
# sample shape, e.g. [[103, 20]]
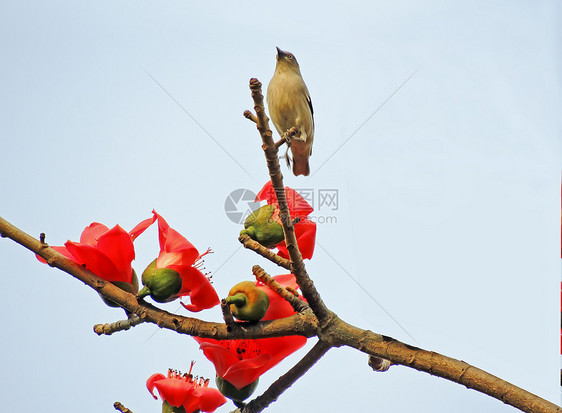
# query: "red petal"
[[224, 355], [298, 207], [247, 371], [174, 391], [178, 392], [286, 280], [97, 262], [173, 242], [91, 233], [209, 399], [199, 288], [141, 227], [256, 356], [151, 380], [267, 193], [277, 348], [305, 231], [218, 354], [117, 245], [191, 402]]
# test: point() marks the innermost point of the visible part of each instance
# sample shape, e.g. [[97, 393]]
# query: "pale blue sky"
[[449, 196]]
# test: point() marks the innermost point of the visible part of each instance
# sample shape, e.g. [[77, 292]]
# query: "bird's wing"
[[309, 101]]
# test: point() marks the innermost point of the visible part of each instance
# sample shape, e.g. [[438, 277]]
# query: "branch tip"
[[291, 296], [255, 246], [226, 314], [118, 406], [249, 115]]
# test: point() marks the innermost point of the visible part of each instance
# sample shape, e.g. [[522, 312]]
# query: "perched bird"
[[290, 107]]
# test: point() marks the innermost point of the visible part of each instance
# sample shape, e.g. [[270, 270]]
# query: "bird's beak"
[[280, 53]]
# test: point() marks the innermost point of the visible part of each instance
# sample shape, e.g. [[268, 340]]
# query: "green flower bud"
[[162, 284], [262, 228], [247, 301], [237, 396]]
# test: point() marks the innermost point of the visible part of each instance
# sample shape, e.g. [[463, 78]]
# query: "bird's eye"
[[290, 57]]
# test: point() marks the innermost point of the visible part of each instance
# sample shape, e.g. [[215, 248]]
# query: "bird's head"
[[286, 60]]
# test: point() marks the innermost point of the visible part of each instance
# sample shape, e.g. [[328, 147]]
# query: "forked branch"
[[271, 154]]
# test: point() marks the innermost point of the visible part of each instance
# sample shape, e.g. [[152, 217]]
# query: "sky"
[[435, 182]]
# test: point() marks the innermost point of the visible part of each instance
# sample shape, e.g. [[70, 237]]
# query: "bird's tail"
[[301, 153]]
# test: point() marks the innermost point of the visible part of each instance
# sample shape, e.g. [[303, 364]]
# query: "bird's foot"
[[291, 134]]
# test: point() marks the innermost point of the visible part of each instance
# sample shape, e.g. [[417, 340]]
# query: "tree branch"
[[342, 333], [226, 314], [255, 246], [299, 324], [271, 154], [288, 379], [333, 333], [121, 325], [297, 304], [121, 408]]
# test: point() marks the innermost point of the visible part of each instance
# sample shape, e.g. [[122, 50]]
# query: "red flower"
[[183, 390], [305, 229], [178, 254], [241, 362], [108, 253]]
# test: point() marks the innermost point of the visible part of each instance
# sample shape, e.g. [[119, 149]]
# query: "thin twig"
[[226, 314], [297, 304], [288, 379], [280, 143], [121, 325], [249, 115], [264, 252]]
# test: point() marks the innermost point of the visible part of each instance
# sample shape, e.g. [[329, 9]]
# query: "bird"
[[290, 107]]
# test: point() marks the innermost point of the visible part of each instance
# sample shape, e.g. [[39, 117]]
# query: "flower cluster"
[[108, 253], [176, 273]]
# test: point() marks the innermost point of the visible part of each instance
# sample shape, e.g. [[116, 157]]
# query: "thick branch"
[[271, 153], [298, 324], [288, 379], [342, 333], [264, 252]]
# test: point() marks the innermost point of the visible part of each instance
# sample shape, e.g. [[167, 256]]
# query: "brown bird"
[[290, 107]]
